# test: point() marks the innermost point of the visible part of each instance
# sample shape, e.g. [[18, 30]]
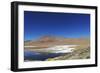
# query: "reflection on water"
[[51, 52], [30, 55]]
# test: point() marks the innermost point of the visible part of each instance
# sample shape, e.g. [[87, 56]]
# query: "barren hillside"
[[48, 41]]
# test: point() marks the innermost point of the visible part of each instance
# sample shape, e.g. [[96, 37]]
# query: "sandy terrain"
[[49, 44]]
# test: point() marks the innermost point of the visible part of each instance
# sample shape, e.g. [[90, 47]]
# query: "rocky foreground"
[[76, 54]]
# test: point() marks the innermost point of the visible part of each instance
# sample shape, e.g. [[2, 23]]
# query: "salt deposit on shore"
[[56, 49]]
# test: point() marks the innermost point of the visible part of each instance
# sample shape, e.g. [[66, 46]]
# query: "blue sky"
[[68, 25]]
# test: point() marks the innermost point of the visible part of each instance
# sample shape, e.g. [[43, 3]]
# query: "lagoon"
[[51, 52]]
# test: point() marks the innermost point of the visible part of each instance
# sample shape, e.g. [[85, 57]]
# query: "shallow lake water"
[[35, 56], [45, 54]]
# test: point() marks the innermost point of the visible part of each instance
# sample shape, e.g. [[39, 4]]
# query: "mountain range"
[[47, 41]]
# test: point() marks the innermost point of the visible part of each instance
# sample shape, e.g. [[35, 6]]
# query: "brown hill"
[[47, 41]]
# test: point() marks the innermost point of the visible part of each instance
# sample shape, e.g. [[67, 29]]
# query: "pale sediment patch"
[[54, 49]]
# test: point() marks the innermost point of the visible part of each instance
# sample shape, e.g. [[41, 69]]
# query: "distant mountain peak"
[[48, 38]]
